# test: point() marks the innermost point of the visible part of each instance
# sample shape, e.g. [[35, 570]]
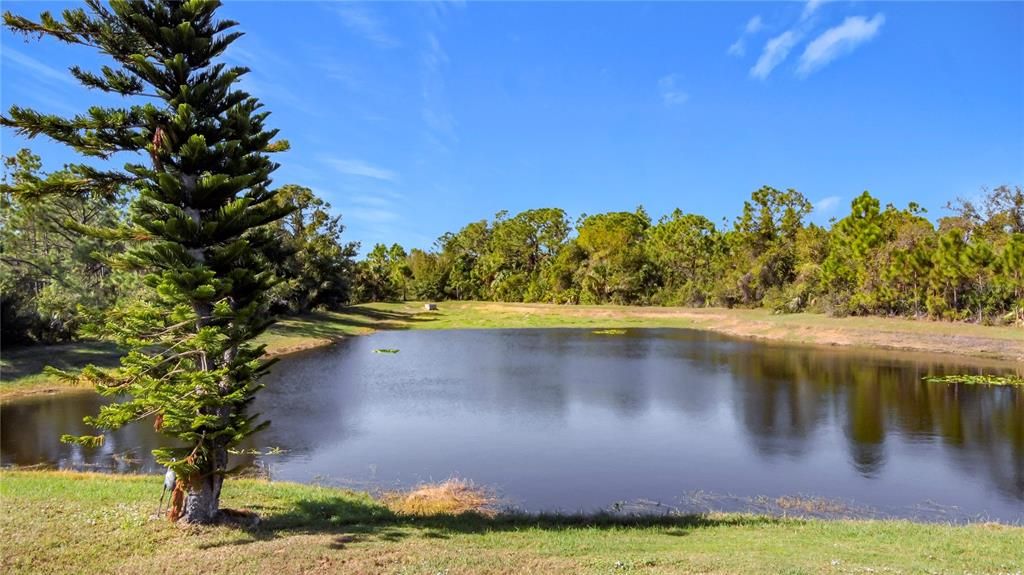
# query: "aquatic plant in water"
[[976, 379], [385, 350], [609, 331]]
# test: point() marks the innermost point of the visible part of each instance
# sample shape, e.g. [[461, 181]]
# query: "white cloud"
[[434, 56], [826, 204], [810, 8], [251, 53], [835, 42], [384, 199], [365, 23], [40, 70], [739, 47], [372, 215], [754, 25], [775, 52], [438, 119], [671, 94], [360, 168]]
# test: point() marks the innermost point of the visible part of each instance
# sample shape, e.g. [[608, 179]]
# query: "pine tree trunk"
[[202, 498]]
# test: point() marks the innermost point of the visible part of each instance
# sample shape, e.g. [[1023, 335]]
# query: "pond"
[[567, 419]]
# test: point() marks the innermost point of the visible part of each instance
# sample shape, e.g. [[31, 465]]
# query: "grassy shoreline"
[[65, 522], [988, 346]]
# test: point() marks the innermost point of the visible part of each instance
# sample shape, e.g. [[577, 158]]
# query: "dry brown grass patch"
[[451, 497]]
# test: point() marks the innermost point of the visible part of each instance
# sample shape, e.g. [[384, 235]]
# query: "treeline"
[[54, 277], [875, 260]]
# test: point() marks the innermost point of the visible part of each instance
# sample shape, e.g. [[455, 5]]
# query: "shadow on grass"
[[30, 360], [328, 325], [361, 520]]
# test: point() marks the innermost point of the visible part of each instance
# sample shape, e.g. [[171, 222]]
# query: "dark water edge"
[[651, 421]]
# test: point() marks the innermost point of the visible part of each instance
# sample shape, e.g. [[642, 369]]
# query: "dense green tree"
[[398, 270], [846, 269], [762, 245], [384, 275], [308, 254], [615, 268], [463, 251], [429, 274], [562, 275], [686, 248], [520, 248], [1010, 276], [47, 268], [203, 194], [948, 275], [906, 279]]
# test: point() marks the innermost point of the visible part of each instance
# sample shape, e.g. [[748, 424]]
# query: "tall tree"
[[48, 269], [616, 268], [196, 225], [463, 251], [1000, 212], [429, 274], [382, 275], [684, 247], [519, 249], [309, 255], [1010, 267], [763, 244]]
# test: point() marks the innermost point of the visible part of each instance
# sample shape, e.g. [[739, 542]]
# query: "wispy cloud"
[[352, 167], [826, 205], [371, 209], [39, 70], [278, 93], [671, 94], [754, 25], [271, 77], [440, 125], [372, 215], [360, 20], [249, 52], [348, 74], [810, 8], [375, 209], [739, 47], [774, 53], [435, 112], [385, 199], [839, 40]]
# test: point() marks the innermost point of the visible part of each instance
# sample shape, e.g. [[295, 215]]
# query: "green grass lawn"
[[53, 522], [21, 369]]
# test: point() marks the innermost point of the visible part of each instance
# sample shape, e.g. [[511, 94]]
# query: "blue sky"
[[414, 119]]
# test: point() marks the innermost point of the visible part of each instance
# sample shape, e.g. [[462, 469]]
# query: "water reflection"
[[569, 419]]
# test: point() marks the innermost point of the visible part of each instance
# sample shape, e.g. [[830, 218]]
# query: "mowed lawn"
[[62, 522]]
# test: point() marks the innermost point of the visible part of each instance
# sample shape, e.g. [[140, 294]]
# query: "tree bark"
[[202, 495]]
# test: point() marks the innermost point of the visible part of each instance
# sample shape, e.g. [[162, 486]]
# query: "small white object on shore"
[[430, 306]]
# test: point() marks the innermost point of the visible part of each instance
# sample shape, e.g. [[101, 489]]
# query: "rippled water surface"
[[570, 420]]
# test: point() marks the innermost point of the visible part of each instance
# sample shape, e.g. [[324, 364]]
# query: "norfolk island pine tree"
[[197, 226]]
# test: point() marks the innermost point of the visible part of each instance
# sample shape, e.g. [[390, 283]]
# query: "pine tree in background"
[[196, 229], [1010, 266]]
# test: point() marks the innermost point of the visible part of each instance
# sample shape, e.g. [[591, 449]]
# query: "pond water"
[[571, 420]]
